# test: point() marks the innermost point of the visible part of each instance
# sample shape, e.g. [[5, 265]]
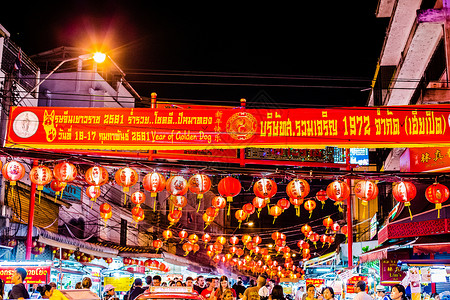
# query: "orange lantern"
[[206, 238], [105, 211], [276, 235], [187, 247], [217, 247], [138, 198], [257, 240], [328, 222], [193, 238], [174, 217], [283, 203], [13, 171], [234, 240], [248, 208], [437, 193], [314, 237], [207, 219], [338, 191], [275, 211], [309, 206], [219, 202], [259, 203], [183, 234], [344, 230], [365, 190], [96, 176], [65, 172], [221, 239], [154, 183], [404, 191], [157, 244], [305, 229], [167, 234], [335, 227], [322, 197], [210, 253], [126, 177], [297, 202], [57, 187], [246, 238], [229, 187], [176, 185], [199, 184], [41, 175], [212, 212], [196, 248], [240, 216], [297, 189], [179, 202], [93, 192], [265, 188]]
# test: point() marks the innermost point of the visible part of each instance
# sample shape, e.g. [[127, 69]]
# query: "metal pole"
[[349, 214], [29, 243]]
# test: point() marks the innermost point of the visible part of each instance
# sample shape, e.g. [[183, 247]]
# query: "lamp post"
[[99, 58]]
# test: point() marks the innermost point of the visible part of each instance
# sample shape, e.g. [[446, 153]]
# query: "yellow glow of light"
[[99, 57]]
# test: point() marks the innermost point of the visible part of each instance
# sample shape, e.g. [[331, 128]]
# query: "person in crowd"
[[179, 283], [110, 293], [200, 286], [251, 283], [300, 292], [52, 284], [78, 286], [436, 296], [223, 285], [18, 291], [2, 289], [381, 293], [156, 280], [239, 288], [310, 292], [328, 293], [48, 292], [277, 293], [228, 295], [252, 292], [34, 292], [148, 281], [360, 290], [138, 289], [398, 292], [210, 288], [86, 283], [164, 284], [189, 281]]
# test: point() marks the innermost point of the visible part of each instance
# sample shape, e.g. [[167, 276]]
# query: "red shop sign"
[[38, 275], [217, 128], [316, 281]]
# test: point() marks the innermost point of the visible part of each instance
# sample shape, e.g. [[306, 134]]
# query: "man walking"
[[18, 291], [360, 289]]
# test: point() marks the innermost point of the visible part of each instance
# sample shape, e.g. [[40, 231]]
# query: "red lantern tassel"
[[198, 207], [408, 204], [229, 205]]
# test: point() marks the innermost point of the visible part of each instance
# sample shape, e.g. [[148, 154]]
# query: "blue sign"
[[70, 192], [359, 156]]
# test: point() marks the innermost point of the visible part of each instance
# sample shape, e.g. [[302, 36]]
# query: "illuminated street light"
[[98, 57]]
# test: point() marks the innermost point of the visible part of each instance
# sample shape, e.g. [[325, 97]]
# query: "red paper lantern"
[[105, 211], [335, 227], [257, 240], [246, 238], [240, 216], [404, 191], [174, 216], [177, 185], [212, 212], [196, 247], [297, 189], [13, 171], [221, 239], [437, 193], [137, 211], [187, 247], [96, 176], [179, 201], [248, 208], [219, 202], [157, 244], [199, 184], [183, 234], [338, 191], [41, 175], [259, 203], [314, 238], [65, 172], [328, 222], [167, 234], [275, 211], [265, 188], [366, 190], [93, 192], [322, 197], [154, 183], [276, 235], [206, 238], [297, 202], [229, 187], [207, 219], [138, 198], [57, 187], [310, 205], [283, 203], [217, 247], [344, 230], [193, 238], [126, 177], [234, 240], [305, 229]]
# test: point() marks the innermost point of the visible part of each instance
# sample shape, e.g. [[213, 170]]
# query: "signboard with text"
[[428, 159], [316, 281], [121, 284], [35, 275], [390, 271], [216, 128]]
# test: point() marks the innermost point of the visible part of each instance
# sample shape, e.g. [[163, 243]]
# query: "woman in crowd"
[[47, 292], [398, 292], [228, 295], [277, 293], [328, 293], [223, 285], [310, 292], [86, 283]]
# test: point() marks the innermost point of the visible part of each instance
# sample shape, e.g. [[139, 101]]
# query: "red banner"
[[216, 128], [38, 275], [316, 281], [432, 159]]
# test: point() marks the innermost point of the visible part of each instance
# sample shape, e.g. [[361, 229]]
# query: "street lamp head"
[[99, 57]]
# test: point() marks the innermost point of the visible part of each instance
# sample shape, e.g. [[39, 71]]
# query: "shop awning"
[[378, 253], [321, 259], [432, 245], [62, 241]]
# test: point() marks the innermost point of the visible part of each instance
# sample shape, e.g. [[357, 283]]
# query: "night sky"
[[314, 53]]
